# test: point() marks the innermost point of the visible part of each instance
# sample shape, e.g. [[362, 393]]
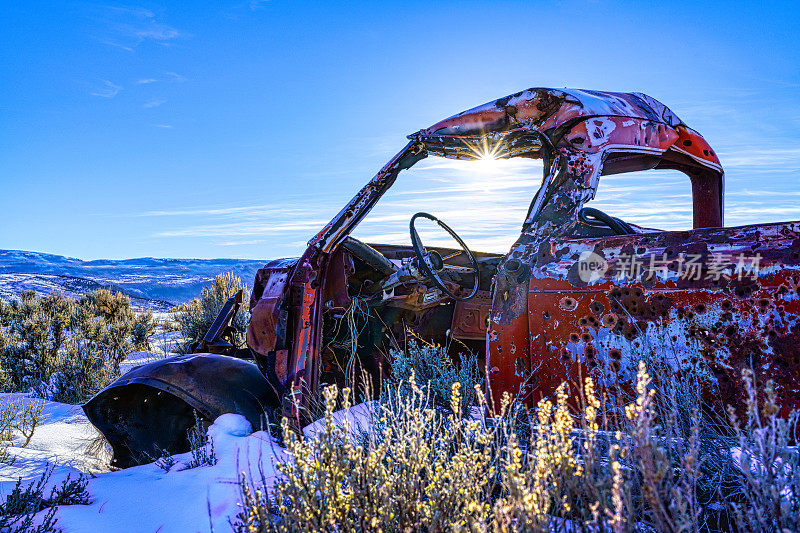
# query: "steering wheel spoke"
[[431, 263], [454, 254], [457, 268]]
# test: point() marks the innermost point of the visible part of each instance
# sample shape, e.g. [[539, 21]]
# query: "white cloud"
[[175, 77], [154, 103], [106, 89], [127, 28], [145, 81]]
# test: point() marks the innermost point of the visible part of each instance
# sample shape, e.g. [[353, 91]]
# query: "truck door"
[[710, 302]]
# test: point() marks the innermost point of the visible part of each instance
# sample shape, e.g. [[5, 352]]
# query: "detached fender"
[[150, 409]]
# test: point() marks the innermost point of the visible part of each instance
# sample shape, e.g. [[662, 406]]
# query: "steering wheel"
[[431, 262], [598, 219]]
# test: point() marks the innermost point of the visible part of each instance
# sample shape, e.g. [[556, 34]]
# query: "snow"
[[147, 498], [359, 417], [63, 440], [143, 498]]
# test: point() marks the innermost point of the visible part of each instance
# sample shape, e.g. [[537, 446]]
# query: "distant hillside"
[[153, 283]]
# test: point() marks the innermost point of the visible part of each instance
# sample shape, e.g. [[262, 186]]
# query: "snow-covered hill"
[[150, 282]]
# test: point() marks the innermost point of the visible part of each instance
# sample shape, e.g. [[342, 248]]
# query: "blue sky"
[[237, 129]]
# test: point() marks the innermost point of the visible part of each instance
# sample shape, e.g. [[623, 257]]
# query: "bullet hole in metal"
[[590, 352], [610, 320]]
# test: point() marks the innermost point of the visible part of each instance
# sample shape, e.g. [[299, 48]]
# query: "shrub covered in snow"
[[201, 445], [65, 349], [21, 505], [196, 317], [423, 469]]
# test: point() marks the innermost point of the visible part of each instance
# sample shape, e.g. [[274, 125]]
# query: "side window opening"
[[654, 199]]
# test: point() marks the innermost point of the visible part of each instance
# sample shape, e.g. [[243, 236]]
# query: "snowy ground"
[[144, 498]]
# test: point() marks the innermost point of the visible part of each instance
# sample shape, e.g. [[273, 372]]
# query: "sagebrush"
[[64, 349], [19, 507], [424, 469], [432, 364], [196, 317]]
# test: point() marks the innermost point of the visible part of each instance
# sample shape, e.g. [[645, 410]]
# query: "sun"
[[486, 155]]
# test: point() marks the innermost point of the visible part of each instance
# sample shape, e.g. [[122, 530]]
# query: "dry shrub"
[[417, 467], [22, 504], [201, 445], [768, 458], [196, 317], [18, 417], [22, 417], [649, 468], [66, 350]]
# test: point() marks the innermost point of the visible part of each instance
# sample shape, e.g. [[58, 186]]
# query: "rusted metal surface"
[[471, 317], [267, 330], [151, 408], [707, 302]]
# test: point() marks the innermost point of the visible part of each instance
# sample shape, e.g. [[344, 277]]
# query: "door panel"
[[709, 302]]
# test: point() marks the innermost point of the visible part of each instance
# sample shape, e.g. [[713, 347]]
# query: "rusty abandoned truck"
[[579, 293]]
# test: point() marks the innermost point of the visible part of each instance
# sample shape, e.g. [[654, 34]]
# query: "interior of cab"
[[364, 322]]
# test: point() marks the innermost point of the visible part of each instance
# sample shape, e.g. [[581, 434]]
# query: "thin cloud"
[[127, 28], [249, 212], [770, 159], [244, 229], [485, 203], [170, 77], [239, 243], [106, 89], [154, 103], [164, 126], [175, 77]]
